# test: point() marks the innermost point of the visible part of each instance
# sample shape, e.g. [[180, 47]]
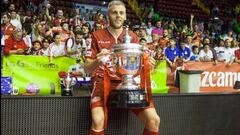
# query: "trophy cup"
[[127, 58], [67, 82]]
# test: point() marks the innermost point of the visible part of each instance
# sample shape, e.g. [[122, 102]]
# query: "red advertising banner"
[[216, 78]]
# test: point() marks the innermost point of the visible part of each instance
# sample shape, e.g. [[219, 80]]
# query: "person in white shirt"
[[75, 46], [45, 47], [57, 48], [220, 50], [228, 55], [15, 21], [206, 54]]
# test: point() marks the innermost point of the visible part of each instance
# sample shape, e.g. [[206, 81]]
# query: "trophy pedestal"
[[127, 99], [67, 93]]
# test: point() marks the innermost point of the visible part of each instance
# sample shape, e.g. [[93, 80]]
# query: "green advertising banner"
[[159, 78], [35, 71]]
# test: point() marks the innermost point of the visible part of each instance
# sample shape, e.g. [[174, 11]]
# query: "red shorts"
[[135, 111], [98, 92]]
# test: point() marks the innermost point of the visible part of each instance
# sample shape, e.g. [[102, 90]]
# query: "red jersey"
[[237, 54], [8, 30], [103, 39], [12, 44]]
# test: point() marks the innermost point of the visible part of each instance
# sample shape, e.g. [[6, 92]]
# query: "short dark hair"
[[194, 47], [7, 14], [142, 39]]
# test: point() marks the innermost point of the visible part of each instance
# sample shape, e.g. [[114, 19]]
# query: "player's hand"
[[103, 56]]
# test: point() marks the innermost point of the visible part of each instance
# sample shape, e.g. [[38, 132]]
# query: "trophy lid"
[[128, 47]]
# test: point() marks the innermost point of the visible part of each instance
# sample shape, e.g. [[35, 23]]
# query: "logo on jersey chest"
[[103, 42]]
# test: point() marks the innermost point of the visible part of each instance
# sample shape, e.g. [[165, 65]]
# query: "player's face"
[[117, 15]]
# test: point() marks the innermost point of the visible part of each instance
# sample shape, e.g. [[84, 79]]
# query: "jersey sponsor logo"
[[103, 42]]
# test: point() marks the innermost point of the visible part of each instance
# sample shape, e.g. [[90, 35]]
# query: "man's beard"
[[114, 26]]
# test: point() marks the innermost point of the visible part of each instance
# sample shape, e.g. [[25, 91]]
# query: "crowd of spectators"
[[48, 32]]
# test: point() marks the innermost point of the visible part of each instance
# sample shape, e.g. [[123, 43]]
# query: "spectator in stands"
[[11, 7], [93, 64], [184, 52], [197, 34], [45, 47], [206, 54], [38, 32], [188, 41], [36, 48], [235, 44], [64, 31], [7, 26], [229, 35], [228, 53], [86, 28], [206, 40], [143, 42], [149, 27], [57, 48], [237, 56], [15, 44], [159, 55], [75, 46], [15, 21], [59, 16], [27, 30], [220, 49], [153, 45], [164, 40], [194, 56], [171, 53], [158, 30], [77, 28], [143, 34]]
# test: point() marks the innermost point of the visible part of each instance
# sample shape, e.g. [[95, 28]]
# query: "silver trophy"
[[127, 58], [67, 82]]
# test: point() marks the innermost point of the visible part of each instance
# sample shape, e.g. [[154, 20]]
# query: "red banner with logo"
[[216, 78]]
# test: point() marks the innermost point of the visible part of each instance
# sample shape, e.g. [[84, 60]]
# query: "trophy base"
[[127, 99], [66, 93]]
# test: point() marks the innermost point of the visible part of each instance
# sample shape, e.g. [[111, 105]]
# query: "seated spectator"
[[206, 54], [229, 35], [220, 50], [36, 48], [86, 28], [158, 30], [235, 44], [194, 56], [57, 48], [149, 27], [7, 26], [143, 42], [184, 52], [228, 55], [188, 41], [15, 21], [153, 45], [75, 46], [171, 53], [64, 31], [15, 44], [143, 34], [159, 55], [164, 40], [237, 56], [45, 47]]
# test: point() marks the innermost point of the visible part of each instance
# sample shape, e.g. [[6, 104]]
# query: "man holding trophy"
[[116, 45]]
